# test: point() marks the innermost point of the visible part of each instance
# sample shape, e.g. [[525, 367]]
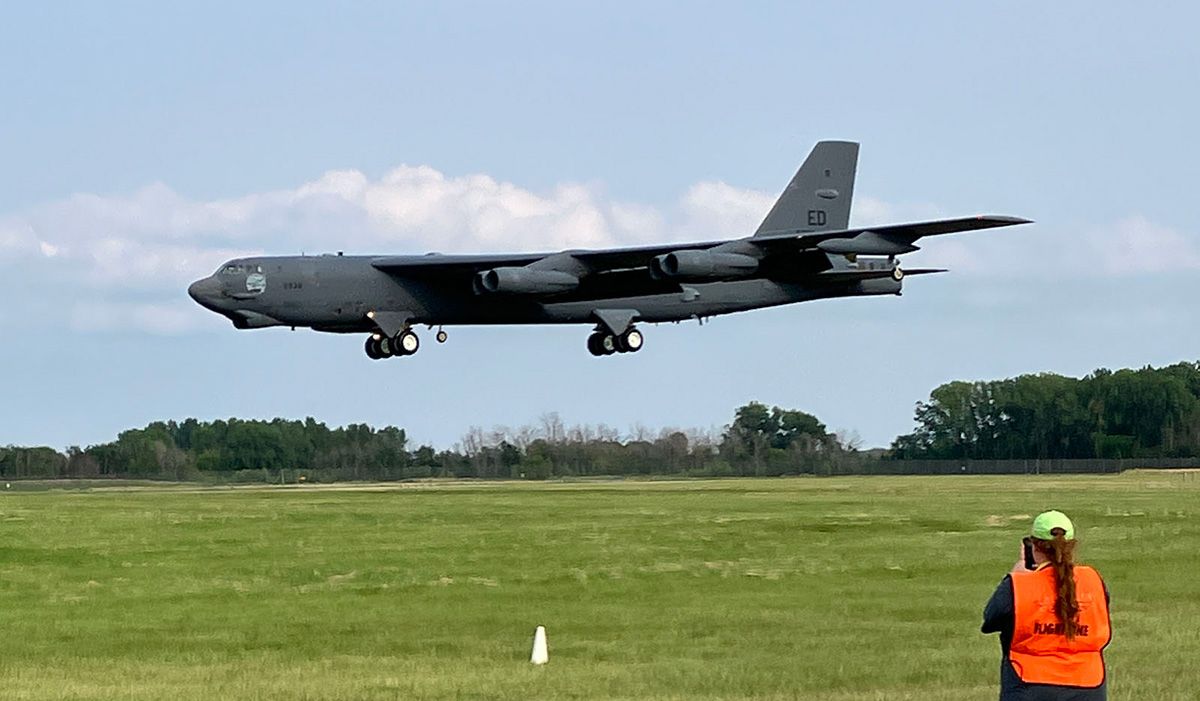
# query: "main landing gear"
[[601, 342], [404, 343]]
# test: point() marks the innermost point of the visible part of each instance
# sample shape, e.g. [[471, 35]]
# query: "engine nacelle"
[[699, 265], [524, 281]]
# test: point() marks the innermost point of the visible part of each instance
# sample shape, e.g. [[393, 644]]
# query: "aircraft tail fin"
[[818, 197]]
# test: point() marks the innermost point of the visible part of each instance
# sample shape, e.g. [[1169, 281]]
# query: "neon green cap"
[[1046, 522]]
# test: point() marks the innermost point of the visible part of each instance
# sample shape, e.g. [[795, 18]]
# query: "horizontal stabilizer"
[[839, 275]]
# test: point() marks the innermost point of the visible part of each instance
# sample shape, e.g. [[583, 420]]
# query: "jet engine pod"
[[692, 264], [524, 281]]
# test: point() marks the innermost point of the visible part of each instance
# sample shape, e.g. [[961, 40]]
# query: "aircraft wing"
[[880, 240], [437, 263], [597, 261], [907, 233]]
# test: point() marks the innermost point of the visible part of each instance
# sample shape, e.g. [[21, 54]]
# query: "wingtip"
[[1008, 220]]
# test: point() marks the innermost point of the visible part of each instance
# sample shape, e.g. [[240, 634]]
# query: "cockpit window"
[[239, 269]]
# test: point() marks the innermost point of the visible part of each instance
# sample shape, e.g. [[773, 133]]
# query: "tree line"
[[759, 441], [1146, 413]]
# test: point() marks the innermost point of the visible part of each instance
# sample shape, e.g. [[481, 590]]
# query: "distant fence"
[[846, 465], [1024, 467]]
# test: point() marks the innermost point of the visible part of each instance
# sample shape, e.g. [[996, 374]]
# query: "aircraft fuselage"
[[336, 294]]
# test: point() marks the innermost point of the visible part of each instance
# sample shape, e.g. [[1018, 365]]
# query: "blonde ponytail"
[[1061, 553]]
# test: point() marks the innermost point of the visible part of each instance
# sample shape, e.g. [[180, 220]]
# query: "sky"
[[142, 144]]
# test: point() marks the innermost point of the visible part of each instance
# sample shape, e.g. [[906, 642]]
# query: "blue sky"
[[141, 144]]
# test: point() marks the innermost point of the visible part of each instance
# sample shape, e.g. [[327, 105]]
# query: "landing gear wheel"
[[384, 344], [405, 343], [897, 274], [441, 336], [631, 341], [372, 348], [604, 343]]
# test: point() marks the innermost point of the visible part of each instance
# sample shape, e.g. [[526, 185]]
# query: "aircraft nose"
[[205, 291]]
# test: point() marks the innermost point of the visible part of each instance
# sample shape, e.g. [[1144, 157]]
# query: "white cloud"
[[1130, 247], [869, 211], [159, 318], [719, 210], [16, 238], [1136, 245], [149, 244]]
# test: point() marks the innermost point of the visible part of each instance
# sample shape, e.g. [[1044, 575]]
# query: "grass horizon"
[[848, 588]]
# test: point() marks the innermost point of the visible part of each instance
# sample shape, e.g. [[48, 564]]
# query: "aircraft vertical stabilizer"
[[818, 197]]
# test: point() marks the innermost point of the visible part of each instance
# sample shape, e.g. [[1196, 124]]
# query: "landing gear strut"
[[601, 342]]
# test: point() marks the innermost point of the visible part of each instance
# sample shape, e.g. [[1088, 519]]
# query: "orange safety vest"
[[1040, 653]]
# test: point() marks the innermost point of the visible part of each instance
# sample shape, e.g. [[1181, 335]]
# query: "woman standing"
[[1052, 617]]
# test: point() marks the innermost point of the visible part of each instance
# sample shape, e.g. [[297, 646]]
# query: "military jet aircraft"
[[803, 250]]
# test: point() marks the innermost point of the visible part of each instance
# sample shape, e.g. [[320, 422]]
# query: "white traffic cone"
[[540, 654]]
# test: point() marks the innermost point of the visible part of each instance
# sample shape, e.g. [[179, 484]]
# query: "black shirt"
[[999, 616]]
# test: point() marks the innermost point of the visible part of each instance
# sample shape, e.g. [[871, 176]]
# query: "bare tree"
[[473, 441], [638, 432], [849, 439], [523, 437], [607, 433], [552, 428]]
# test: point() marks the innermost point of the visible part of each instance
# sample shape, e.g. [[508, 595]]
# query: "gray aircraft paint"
[[802, 251], [819, 195]]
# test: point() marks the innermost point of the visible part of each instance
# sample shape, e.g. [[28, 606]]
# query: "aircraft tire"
[[441, 336], [608, 344], [384, 344], [372, 348], [631, 341], [406, 343], [593, 345], [897, 274]]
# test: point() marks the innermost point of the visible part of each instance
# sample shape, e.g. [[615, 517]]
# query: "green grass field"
[[844, 588]]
